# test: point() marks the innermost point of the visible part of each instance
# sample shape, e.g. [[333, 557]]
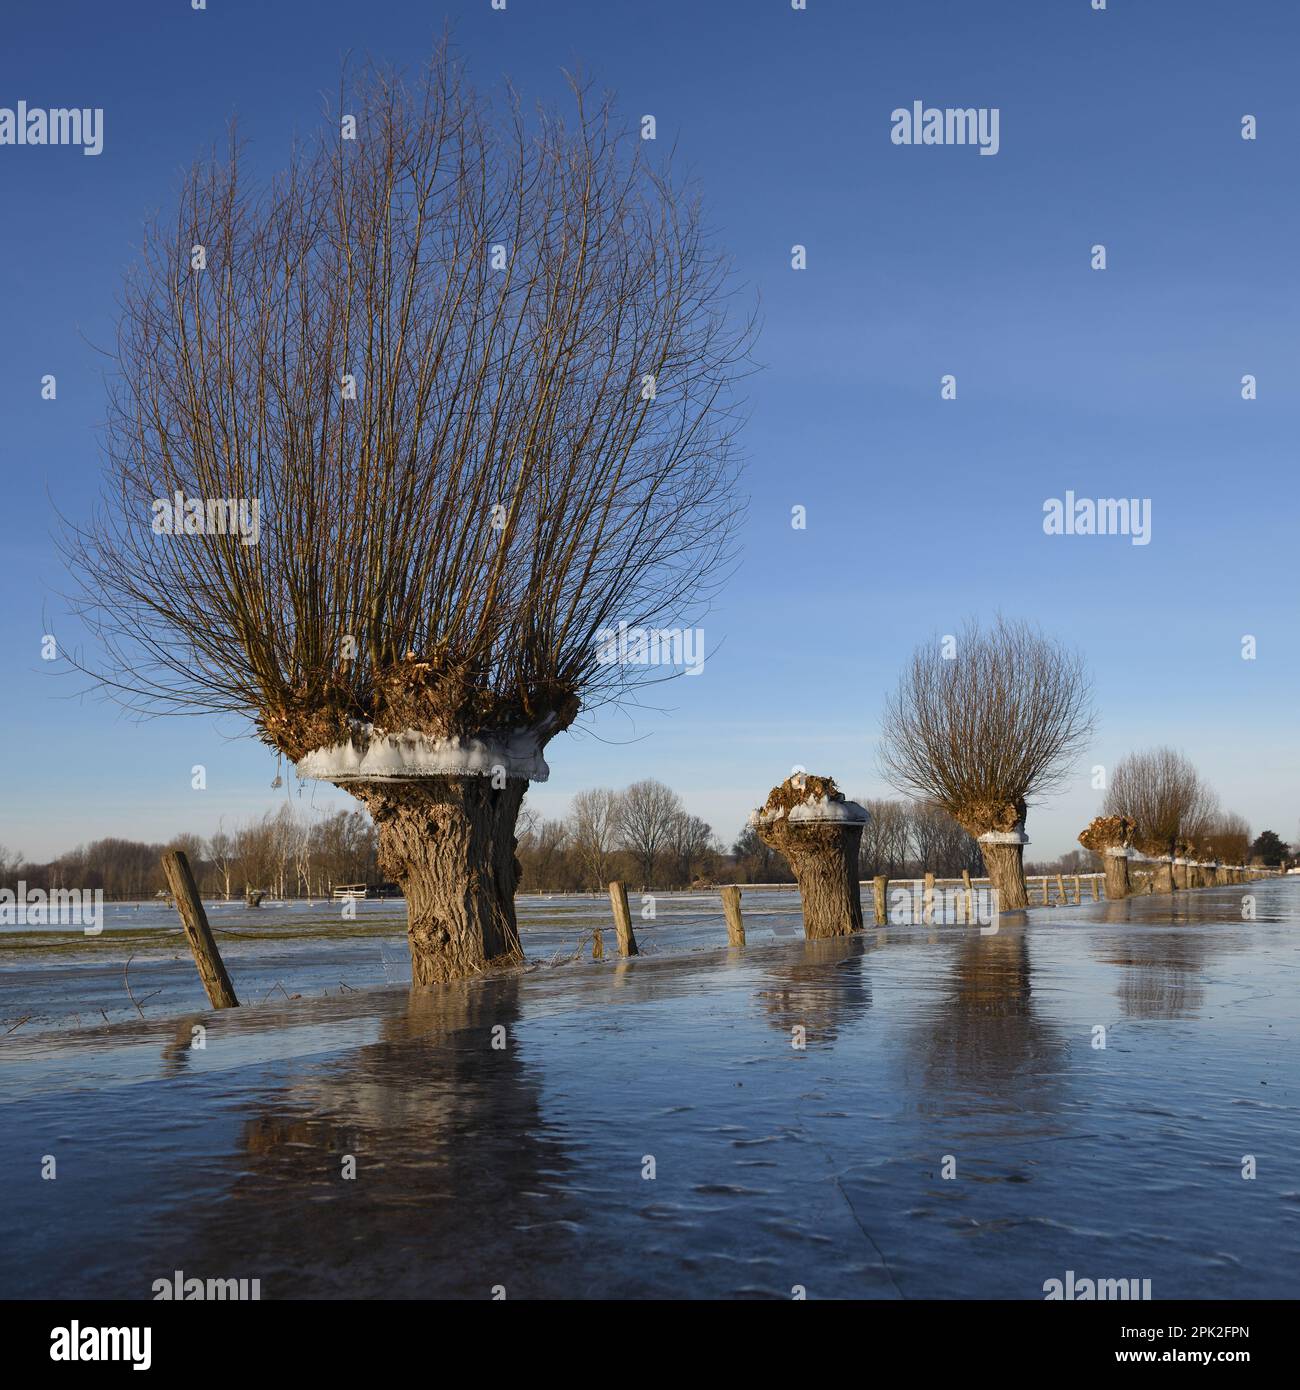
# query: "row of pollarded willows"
[[976, 729], [1159, 808]]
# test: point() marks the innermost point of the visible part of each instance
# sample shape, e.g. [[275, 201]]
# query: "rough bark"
[[824, 860], [450, 843], [1117, 881], [823, 853], [1006, 866], [1162, 877], [1106, 833]]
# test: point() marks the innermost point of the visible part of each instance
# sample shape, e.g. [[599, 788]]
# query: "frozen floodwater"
[[527, 1164]]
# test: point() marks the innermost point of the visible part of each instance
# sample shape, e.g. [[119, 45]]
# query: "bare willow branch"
[[540, 444]]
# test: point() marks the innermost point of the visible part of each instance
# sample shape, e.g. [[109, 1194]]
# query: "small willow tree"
[[1163, 795], [981, 727], [1110, 837], [809, 820], [475, 367]]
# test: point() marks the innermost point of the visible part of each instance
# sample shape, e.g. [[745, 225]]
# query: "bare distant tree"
[[542, 847], [593, 833], [886, 838], [646, 813], [11, 861], [757, 861], [221, 855], [476, 368], [982, 730], [1162, 793], [1229, 838], [689, 839]]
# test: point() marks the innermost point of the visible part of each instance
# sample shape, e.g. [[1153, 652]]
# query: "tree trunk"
[[824, 857], [1182, 875], [1162, 877], [1006, 866], [1117, 884], [450, 843], [827, 872]]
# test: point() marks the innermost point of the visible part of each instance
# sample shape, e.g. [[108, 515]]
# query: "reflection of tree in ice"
[[1162, 958], [984, 1035], [456, 1174], [820, 987]]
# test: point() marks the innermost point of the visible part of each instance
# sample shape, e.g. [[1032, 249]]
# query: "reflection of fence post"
[[622, 919], [731, 909], [880, 890], [212, 970]]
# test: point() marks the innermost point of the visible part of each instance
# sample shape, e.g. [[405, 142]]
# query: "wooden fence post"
[[970, 895], [880, 892], [185, 894], [1096, 888], [1060, 888], [622, 919], [927, 902], [731, 909]]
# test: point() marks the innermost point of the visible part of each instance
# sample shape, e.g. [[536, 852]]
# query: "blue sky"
[[1119, 127]]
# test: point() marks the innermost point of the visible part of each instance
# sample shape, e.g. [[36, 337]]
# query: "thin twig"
[[127, 981]]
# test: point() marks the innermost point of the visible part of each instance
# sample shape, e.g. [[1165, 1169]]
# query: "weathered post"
[[597, 945], [808, 819], [1060, 889], [880, 894], [731, 910], [1110, 836], [1096, 886], [970, 895], [185, 894], [927, 900], [622, 919], [1078, 891]]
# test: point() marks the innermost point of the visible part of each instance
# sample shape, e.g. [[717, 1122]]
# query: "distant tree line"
[[643, 835], [282, 853]]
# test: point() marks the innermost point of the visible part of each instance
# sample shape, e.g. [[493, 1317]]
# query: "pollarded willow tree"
[[1111, 838], [1163, 795], [983, 725], [476, 368]]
